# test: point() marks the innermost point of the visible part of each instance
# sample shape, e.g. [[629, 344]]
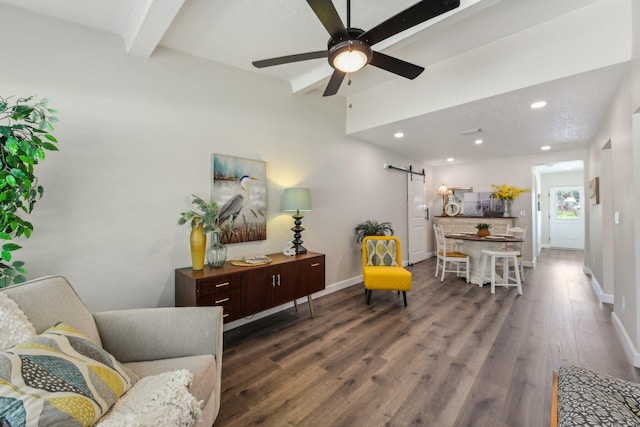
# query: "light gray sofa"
[[149, 341]]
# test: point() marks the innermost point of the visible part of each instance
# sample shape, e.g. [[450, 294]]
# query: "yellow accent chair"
[[382, 266]]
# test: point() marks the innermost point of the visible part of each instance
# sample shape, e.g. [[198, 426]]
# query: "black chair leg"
[[369, 296], [404, 296]]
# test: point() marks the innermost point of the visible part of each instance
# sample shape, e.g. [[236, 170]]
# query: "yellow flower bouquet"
[[507, 192]]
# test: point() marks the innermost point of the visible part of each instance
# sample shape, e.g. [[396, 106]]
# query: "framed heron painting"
[[240, 190]]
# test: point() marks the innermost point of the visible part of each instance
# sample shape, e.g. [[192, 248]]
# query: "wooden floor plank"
[[456, 356]]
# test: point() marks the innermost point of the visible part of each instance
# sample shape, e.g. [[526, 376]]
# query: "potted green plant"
[[483, 229], [371, 227], [204, 220], [24, 138]]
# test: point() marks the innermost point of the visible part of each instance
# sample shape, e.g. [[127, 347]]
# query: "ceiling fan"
[[349, 49]]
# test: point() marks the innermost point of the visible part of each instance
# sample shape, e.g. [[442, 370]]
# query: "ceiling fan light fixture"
[[350, 55]]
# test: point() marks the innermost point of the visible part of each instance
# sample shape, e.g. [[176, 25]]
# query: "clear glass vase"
[[216, 252], [507, 208]]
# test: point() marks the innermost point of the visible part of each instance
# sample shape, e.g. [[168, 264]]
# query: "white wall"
[[135, 138], [614, 157]]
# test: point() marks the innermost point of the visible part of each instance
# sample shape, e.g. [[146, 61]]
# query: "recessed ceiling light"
[[398, 134], [538, 104], [545, 147], [478, 141], [450, 159]]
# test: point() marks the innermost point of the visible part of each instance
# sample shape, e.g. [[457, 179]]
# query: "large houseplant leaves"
[[24, 137]]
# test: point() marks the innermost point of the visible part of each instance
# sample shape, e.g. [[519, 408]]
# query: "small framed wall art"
[[594, 191]]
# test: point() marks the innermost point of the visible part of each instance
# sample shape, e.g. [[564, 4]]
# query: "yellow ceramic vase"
[[198, 242]]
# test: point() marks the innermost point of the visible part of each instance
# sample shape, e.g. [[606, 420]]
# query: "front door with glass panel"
[[566, 222]]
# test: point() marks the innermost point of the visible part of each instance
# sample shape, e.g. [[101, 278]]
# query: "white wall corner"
[[629, 348]]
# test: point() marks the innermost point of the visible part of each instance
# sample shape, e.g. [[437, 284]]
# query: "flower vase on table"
[[198, 244], [507, 208], [216, 252], [507, 193]]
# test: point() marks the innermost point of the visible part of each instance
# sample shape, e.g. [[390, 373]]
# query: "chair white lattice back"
[[452, 258]]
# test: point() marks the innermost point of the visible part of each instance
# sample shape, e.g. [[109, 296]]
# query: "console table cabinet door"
[[258, 290], [311, 275], [278, 284]]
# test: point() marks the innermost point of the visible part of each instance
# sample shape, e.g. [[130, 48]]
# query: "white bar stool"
[[506, 257]]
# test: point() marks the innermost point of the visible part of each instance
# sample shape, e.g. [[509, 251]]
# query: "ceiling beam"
[[148, 22]]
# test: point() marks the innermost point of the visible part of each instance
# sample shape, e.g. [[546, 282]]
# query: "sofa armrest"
[[161, 333]]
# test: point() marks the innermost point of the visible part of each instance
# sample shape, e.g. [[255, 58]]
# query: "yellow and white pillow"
[[381, 252], [59, 378]]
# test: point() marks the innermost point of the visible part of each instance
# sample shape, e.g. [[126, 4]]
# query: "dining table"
[[473, 245]]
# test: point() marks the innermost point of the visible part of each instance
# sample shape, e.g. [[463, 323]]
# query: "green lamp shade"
[[296, 199]]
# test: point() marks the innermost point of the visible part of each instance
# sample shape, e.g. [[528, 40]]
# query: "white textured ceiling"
[[236, 32], [509, 127]]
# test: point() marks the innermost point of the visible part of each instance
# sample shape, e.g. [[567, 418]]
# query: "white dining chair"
[[450, 258]]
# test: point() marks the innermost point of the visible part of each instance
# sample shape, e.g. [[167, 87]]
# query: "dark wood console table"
[[243, 291]]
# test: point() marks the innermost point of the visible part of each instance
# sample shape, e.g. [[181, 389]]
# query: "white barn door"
[[416, 210]]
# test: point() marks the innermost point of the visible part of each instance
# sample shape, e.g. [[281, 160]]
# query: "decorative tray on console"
[[250, 261]]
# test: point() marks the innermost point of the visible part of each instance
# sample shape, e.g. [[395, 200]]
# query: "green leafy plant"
[[207, 215], [24, 138], [371, 227], [483, 226]]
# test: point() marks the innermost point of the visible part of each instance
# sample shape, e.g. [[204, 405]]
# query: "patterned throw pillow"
[[381, 252], [59, 378], [589, 398], [14, 325]]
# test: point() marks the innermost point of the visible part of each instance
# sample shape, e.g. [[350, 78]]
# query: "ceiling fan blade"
[[328, 15], [395, 65], [334, 83], [408, 18], [290, 58]]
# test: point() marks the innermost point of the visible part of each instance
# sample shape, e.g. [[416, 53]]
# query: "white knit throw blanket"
[[157, 400]]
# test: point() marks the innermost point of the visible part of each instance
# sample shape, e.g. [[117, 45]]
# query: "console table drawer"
[[228, 299], [216, 285]]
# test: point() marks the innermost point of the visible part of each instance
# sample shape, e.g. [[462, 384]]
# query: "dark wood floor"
[[456, 356]]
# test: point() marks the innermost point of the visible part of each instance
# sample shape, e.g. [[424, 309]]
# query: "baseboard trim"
[[602, 297], [629, 348], [301, 301]]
